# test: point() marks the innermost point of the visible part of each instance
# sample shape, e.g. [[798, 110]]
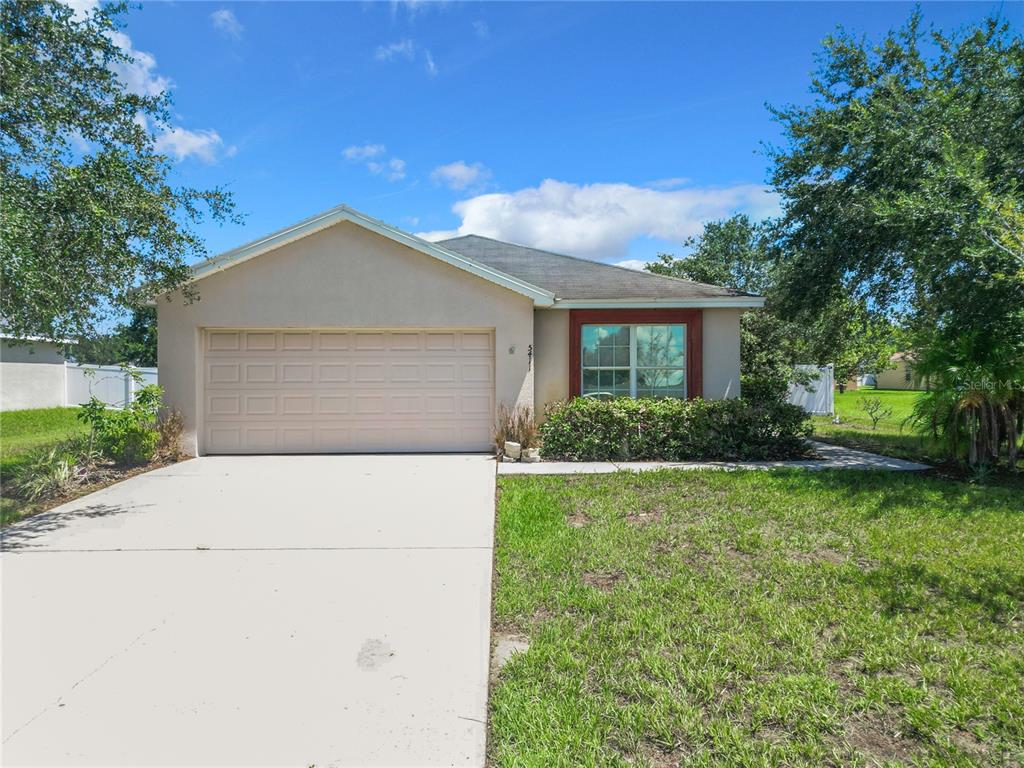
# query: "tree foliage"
[[133, 342], [902, 185], [88, 212], [742, 254]]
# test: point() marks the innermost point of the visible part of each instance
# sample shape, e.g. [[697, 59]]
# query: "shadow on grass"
[[912, 587], [880, 492], [23, 534]]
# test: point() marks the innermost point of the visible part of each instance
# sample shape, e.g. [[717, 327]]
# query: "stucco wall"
[[551, 357], [31, 376], [897, 378], [721, 363], [342, 277], [721, 353]]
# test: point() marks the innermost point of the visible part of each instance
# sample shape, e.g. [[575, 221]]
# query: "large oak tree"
[[88, 210], [902, 184]]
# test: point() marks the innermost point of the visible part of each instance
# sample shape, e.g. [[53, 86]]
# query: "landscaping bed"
[[786, 618], [58, 454]]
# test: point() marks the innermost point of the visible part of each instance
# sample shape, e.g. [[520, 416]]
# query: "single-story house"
[[343, 333], [901, 375], [32, 373]]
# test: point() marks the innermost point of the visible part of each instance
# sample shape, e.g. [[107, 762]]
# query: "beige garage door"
[[320, 391]]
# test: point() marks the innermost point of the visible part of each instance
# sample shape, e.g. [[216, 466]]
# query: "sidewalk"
[[833, 457]]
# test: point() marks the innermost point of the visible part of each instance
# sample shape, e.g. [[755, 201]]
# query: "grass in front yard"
[[895, 436], [751, 618], [20, 433]]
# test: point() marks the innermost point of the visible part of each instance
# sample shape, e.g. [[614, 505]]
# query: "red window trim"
[[693, 319]]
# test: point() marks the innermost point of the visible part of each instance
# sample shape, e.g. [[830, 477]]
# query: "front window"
[[633, 360]]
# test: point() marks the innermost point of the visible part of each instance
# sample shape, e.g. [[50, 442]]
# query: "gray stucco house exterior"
[[344, 334]]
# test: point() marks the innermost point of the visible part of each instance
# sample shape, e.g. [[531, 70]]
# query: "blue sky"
[[605, 130]]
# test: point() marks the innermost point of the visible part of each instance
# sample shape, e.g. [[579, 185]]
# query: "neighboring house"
[[901, 375], [31, 373], [342, 333]]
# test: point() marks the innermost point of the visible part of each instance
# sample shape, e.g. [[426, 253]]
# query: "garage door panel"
[[299, 390]]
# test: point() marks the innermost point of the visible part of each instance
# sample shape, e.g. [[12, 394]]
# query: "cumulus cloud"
[[599, 220], [375, 158], [393, 169], [672, 183], [461, 175], [403, 49], [225, 21], [180, 143], [481, 30], [140, 76]]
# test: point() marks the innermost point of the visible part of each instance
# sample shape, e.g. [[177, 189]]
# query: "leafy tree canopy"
[[902, 186], [88, 213], [741, 254], [133, 342]]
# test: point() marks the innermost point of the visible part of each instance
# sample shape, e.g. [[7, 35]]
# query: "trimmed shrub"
[[586, 429]]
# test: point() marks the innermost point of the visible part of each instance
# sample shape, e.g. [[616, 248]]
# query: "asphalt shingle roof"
[[570, 277]]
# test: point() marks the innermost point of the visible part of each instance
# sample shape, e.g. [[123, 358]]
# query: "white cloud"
[[637, 264], [481, 30], [226, 22], [404, 49], [460, 175], [375, 157], [393, 169], [182, 143], [599, 220], [364, 152], [672, 183], [81, 8], [139, 75], [408, 50]]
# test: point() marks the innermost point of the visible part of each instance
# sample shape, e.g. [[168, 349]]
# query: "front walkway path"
[[833, 457], [261, 610]]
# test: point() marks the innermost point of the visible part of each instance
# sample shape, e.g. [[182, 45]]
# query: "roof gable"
[[343, 213]]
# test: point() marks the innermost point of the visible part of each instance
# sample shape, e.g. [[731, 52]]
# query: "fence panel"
[[817, 396], [107, 382]]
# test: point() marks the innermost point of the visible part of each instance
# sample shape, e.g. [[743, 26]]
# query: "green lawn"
[[20, 433], [759, 619], [895, 436]]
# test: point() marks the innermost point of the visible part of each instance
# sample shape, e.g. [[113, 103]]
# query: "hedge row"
[[586, 429]]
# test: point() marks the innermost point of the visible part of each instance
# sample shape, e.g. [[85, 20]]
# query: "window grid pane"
[[634, 360]]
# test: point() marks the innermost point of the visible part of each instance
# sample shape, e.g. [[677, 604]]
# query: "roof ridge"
[[733, 291]]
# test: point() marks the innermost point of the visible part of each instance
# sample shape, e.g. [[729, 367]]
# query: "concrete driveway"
[[298, 610]]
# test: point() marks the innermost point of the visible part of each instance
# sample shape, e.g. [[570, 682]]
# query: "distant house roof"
[[576, 281]]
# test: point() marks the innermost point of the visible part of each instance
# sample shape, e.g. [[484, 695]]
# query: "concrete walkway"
[[298, 610], [832, 457]]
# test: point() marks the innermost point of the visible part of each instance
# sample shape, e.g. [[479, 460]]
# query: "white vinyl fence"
[[818, 395], [107, 382]]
